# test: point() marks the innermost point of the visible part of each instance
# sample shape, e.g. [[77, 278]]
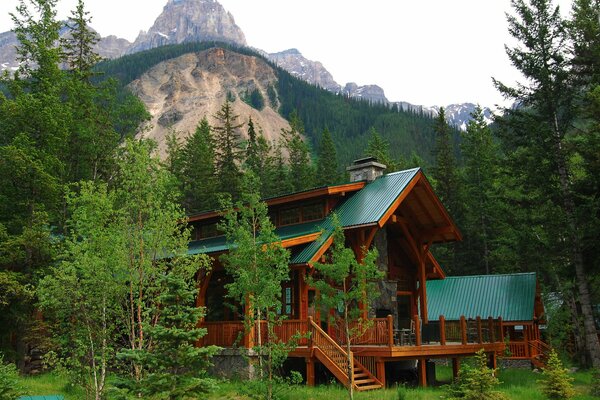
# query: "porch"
[[377, 343]]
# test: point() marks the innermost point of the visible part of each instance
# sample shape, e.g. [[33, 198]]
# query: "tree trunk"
[[349, 352], [591, 336], [259, 344]]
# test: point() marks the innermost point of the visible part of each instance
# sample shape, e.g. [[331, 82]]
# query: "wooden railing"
[[378, 332], [340, 363], [224, 334], [375, 332], [518, 349]]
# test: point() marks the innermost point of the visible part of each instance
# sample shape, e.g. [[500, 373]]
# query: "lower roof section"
[[510, 296]]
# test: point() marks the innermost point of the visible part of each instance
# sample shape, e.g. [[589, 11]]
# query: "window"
[[208, 231], [312, 212], [289, 216]]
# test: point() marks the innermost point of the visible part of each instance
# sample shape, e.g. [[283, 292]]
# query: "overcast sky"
[[429, 52]]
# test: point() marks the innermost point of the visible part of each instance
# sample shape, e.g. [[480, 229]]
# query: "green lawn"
[[517, 384]]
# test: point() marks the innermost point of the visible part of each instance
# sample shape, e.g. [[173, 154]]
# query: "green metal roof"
[[510, 296], [219, 243], [370, 203], [365, 207]]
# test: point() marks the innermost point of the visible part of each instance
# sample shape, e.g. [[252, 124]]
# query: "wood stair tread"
[[371, 387], [363, 381]]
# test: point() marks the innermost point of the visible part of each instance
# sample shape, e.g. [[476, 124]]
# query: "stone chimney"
[[365, 169]]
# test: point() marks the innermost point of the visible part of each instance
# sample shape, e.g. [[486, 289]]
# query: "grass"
[[517, 384]]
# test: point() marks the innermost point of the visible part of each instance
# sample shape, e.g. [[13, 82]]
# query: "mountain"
[[190, 21], [370, 93], [459, 115], [108, 47], [310, 71], [179, 92]]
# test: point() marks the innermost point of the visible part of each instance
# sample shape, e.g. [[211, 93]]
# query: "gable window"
[[289, 216], [207, 231], [312, 212]]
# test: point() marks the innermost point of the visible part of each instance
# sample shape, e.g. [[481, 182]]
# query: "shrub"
[[476, 381], [9, 381], [556, 382], [595, 387]]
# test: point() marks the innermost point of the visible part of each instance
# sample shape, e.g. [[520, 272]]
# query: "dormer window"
[[298, 214]]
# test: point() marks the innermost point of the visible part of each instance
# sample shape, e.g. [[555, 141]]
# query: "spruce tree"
[[541, 125], [327, 164], [301, 173], [227, 150], [556, 382], [78, 45], [198, 170], [480, 155], [380, 149]]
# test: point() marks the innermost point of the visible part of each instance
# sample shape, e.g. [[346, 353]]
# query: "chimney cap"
[[365, 162]]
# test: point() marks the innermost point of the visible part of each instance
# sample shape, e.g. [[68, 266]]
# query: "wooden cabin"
[[401, 216], [514, 297]]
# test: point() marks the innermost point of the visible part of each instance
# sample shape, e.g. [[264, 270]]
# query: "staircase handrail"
[[344, 368]]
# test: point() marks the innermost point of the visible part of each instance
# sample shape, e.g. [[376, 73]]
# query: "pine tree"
[[380, 149], [556, 382], [327, 165], [445, 170], [175, 367], [542, 124], [301, 173], [477, 381], [198, 170], [480, 176], [228, 148], [78, 45]]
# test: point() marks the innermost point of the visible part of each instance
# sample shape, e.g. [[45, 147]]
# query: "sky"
[[426, 52]]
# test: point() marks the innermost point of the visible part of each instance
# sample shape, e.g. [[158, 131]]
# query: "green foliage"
[[301, 172], [328, 170], [380, 149], [258, 265], [556, 382], [254, 99], [595, 386], [9, 381], [227, 144], [476, 381], [344, 282], [174, 367], [198, 165], [78, 46]]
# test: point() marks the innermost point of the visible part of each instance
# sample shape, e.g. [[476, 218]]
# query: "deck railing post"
[[390, 324], [309, 330], [501, 329], [463, 329], [442, 330], [417, 330], [479, 332], [492, 330]]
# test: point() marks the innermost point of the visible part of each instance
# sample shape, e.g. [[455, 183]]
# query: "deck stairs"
[[335, 359], [542, 353]]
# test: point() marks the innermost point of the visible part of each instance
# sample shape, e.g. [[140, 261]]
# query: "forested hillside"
[[349, 120], [88, 213]]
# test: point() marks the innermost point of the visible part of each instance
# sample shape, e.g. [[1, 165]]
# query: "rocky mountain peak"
[[190, 21], [310, 71]]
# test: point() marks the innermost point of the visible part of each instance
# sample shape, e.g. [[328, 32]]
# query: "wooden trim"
[[442, 330], [463, 329], [394, 206], [438, 202], [422, 372], [311, 237], [455, 367], [321, 251]]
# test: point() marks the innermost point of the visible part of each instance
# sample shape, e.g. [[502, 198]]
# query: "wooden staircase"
[[540, 352], [335, 359]]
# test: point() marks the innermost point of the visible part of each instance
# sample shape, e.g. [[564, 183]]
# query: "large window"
[[298, 214]]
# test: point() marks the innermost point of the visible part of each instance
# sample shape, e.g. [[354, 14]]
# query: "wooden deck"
[[379, 338]]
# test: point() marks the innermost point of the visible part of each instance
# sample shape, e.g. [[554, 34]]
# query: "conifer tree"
[[445, 170], [380, 149], [327, 164], [556, 382], [541, 126], [198, 170], [480, 175], [78, 45], [301, 173], [227, 140]]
